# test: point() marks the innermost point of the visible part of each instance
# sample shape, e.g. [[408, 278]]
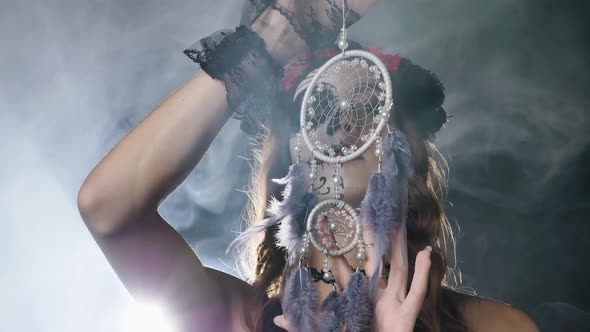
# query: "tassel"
[[284, 279], [397, 161], [293, 211], [384, 206], [331, 313], [377, 211], [293, 226], [300, 301], [297, 201], [241, 239], [398, 169], [356, 308]]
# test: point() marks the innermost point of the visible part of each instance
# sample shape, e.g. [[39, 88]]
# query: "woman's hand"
[[396, 310], [304, 24]]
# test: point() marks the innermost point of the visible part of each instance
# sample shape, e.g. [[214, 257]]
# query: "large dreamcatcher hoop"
[[321, 88]]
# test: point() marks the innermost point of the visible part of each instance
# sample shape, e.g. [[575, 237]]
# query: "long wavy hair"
[[262, 261]]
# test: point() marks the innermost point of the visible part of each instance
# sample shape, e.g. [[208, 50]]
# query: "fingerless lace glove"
[[250, 74]]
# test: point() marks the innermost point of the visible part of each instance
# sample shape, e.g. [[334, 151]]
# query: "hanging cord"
[[343, 42]]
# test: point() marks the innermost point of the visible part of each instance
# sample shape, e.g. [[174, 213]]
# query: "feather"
[[295, 189], [289, 212], [241, 239], [293, 211], [356, 308], [398, 169], [397, 161], [331, 313], [300, 301], [292, 227], [284, 279], [377, 212], [384, 207]]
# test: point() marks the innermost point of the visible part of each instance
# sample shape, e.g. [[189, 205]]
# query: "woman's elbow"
[[94, 214]]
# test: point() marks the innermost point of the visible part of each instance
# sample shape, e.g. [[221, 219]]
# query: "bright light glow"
[[148, 317]]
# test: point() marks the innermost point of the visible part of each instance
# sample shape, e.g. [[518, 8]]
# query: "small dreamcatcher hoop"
[[339, 217]]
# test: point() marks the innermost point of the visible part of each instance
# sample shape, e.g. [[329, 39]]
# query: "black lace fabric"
[[242, 60], [317, 22], [251, 76]]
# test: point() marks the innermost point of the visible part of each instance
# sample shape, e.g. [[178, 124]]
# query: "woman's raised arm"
[[155, 157], [118, 201]]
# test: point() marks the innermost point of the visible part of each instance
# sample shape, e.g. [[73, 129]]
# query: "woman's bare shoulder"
[[489, 315], [239, 294], [228, 281]]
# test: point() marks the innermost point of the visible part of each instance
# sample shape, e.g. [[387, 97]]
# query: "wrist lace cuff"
[[251, 76]]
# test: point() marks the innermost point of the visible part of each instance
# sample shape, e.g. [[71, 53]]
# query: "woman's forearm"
[[155, 157]]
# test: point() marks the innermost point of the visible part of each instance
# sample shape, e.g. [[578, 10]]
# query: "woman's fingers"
[[282, 322], [398, 273], [417, 292]]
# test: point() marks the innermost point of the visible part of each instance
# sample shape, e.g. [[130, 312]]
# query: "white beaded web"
[[345, 105]]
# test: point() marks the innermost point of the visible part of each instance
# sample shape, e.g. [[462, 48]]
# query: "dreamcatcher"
[[344, 113]]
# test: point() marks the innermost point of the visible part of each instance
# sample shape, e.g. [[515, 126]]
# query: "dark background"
[[77, 76]]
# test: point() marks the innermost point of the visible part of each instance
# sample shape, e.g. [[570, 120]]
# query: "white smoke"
[[76, 76]]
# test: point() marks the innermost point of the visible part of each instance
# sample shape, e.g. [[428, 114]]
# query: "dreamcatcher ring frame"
[[311, 220], [386, 107]]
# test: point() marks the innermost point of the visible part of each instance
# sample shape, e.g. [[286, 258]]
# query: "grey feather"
[[293, 211], [384, 206], [241, 239], [295, 189], [284, 279], [292, 227], [377, 212], [288, 212], [300, 302], [356, 308], [397, 161], [331, 313], [398, 169]]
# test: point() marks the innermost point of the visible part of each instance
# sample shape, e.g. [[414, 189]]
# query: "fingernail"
[[275, 320], [429, 248]]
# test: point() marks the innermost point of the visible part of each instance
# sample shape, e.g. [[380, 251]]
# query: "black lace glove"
[[317, 22], [251, 76], [249, 59]]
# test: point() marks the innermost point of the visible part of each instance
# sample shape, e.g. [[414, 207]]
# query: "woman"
[[119, 199]]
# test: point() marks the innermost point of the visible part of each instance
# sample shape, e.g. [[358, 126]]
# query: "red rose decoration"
[[391, 61], [290, 74]]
